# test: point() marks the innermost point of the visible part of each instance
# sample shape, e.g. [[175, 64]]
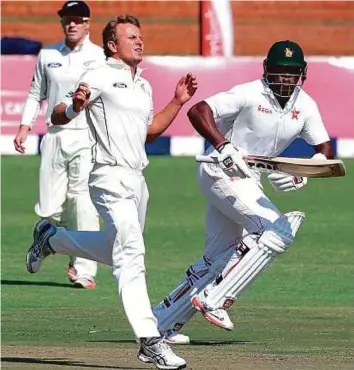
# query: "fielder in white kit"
[[64, 197], [119, 109], [244, 230]]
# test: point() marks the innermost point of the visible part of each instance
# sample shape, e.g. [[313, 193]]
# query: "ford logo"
[[120, 85], [54, 65]]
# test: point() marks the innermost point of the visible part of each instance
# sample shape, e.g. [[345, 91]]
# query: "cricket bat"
[[308, 167]]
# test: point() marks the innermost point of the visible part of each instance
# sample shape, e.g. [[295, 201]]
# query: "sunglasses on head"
[[73, 18]]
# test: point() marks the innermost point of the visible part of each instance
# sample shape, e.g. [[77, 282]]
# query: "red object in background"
[[331, 86], [216, 28]]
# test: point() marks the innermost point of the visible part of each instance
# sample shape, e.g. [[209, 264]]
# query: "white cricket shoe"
[[218, 317], [40, 248], [85, 282], [174, 337], [156, 351], [72, 273]]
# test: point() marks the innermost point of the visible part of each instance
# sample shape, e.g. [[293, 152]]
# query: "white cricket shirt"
[[118, 114], [58, 69], [250, 117]]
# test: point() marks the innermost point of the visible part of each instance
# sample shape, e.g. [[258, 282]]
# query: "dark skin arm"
[[325, 149], [58, 116], [201, 118]]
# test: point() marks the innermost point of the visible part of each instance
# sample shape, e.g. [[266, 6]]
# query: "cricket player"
[[64, 198], [117, 102], [245, 231]]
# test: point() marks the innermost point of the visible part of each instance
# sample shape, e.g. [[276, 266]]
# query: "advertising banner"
[[330, 82]]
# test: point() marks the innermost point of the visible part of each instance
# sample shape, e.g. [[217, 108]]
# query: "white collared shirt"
[[250, 117], [118, 114], [58, 69]]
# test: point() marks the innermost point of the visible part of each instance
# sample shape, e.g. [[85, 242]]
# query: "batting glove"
[[231, 161], [285, 182]]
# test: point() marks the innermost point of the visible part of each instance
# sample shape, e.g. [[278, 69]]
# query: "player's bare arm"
[[201, 117], [325, 149], [230, 158], [63, 113], [37, 94], [21, 137], [185, 89]]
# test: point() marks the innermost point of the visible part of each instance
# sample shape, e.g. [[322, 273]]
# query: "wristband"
[[70, 113], [221, 146]]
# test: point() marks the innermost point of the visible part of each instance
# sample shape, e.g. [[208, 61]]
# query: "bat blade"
[[314, 168]]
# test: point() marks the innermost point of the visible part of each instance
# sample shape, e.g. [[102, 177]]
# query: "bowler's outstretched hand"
[[186, 88]]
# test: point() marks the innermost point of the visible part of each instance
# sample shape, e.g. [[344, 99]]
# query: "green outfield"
[[298, 315]]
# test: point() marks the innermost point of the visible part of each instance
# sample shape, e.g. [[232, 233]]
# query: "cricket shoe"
[[156, 351], [84, 282], [71, 273], [174, 337], [218, 317], [40, 248]]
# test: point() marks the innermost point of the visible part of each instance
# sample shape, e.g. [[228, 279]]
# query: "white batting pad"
[[176, 309], [279, 235], [251, 259]]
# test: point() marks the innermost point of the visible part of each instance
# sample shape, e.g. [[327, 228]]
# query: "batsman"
[[245, 231]]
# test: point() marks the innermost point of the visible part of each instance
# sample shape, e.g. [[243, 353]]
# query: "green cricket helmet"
[[285, 68]]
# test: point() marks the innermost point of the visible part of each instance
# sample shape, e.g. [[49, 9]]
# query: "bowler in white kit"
[[118, 105], [245, 231], [64, 197]]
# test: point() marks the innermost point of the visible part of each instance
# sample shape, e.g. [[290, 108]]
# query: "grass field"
[[298, 315]]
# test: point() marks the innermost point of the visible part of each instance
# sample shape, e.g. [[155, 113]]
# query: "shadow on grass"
[[192, 343], [208, 342], [37, 283], [113, 341], [62, 362]]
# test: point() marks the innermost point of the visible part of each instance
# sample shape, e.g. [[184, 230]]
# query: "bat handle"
[[206, 159]]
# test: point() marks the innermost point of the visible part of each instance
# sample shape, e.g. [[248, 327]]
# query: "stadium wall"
[[172, 27], [330, 82]]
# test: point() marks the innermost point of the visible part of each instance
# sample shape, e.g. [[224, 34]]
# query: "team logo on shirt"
[[120, 85], [264, 110], [295, 114], [54, 65]]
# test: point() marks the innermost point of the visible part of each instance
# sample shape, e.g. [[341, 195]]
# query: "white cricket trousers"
[[235, 207], [120, 196], [64, 197]]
